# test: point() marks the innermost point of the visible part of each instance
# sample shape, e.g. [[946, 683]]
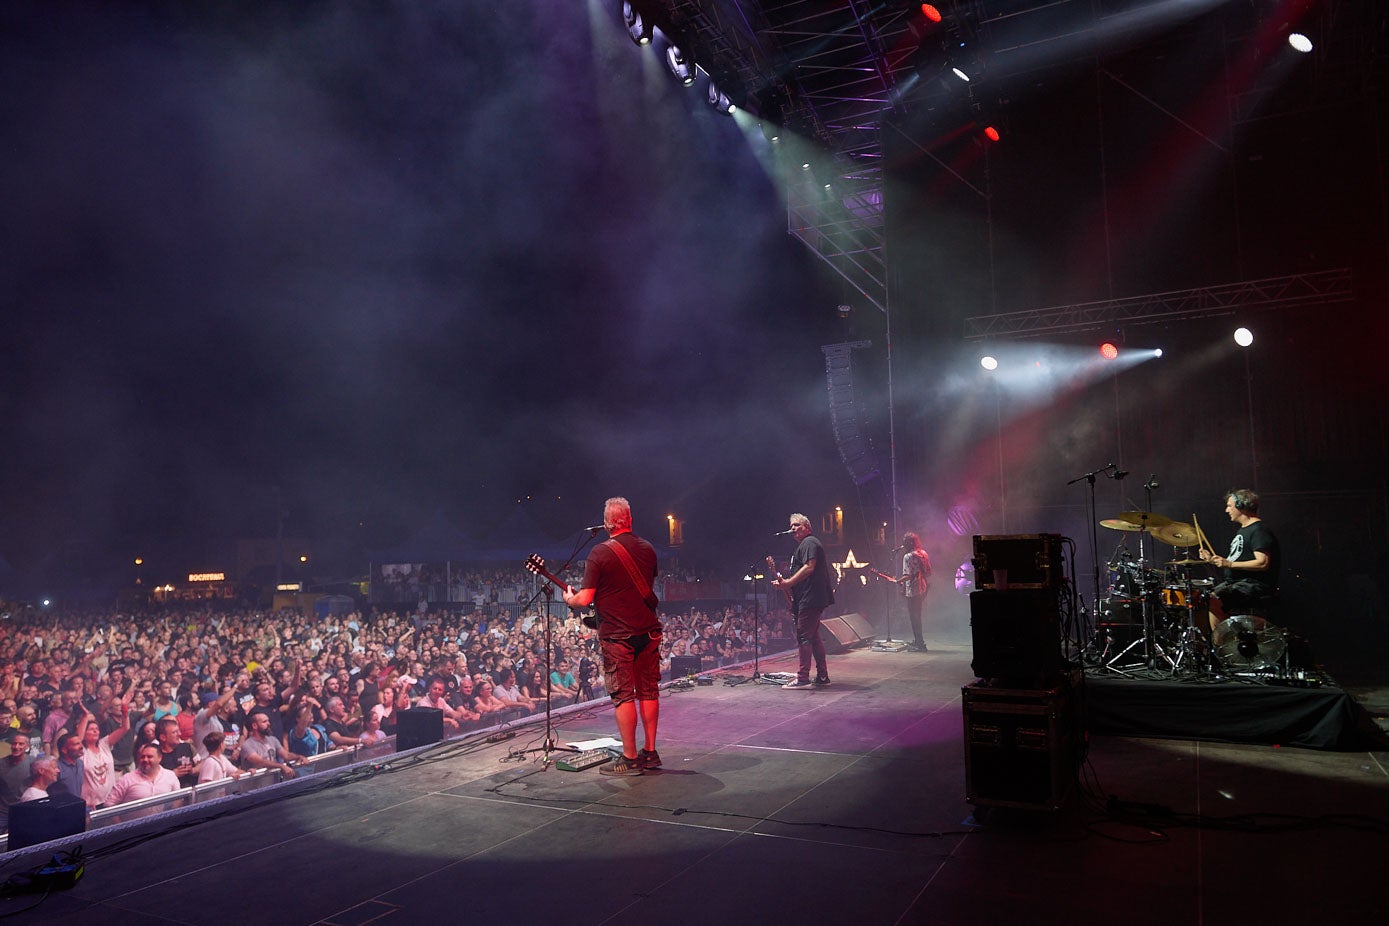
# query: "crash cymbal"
[[1176, 534], [1144, 518], [1115, 524], [1184, 562]]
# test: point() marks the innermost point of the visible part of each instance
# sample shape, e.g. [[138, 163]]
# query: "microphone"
[[596, 528], [1118, 474], [789, 530], [1152, 482]]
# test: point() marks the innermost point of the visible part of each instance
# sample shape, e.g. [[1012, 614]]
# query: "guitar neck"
[[771, 564]]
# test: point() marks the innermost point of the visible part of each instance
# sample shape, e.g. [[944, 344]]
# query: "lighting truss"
[[1304, 290]]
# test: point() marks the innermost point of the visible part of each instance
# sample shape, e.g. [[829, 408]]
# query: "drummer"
[[1251, 567]]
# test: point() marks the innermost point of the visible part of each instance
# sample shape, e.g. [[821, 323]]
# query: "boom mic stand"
[[548, 746], [1094, 532]]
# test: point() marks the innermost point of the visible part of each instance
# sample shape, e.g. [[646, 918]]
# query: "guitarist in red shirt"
[[617, 581], [916, 582]]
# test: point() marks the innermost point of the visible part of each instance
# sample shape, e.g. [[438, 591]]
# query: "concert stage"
[[841, 805]]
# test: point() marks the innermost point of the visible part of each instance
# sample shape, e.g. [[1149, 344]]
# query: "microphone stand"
[[1094, 531], [548, 746], [753, 572]]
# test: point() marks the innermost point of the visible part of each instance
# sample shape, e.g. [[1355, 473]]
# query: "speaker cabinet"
[[418, 726], [861, 626], [837, 635], [1017, 637], [1022, 747], [682, 666], [47, 818]]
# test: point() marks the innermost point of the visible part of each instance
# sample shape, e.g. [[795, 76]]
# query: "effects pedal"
[[578, 761]]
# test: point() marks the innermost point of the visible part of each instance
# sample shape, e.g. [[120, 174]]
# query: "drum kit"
[[1156, 617]]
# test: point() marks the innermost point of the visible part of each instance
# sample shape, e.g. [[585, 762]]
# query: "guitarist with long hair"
[[617, 581], [916, 582]]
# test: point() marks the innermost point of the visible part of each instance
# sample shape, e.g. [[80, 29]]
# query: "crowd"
[[118, 706]]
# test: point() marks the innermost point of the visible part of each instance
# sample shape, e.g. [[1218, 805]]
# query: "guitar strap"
[[636, 576]]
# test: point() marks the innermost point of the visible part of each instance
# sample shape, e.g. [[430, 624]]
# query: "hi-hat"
[[1144, 519], [1115, 524], [1184, 562], [1176, 534]]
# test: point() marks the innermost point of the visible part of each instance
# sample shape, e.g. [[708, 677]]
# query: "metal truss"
[[1304, 290]]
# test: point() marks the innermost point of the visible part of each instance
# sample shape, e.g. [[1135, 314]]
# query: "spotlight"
[[1109, 350], [1157, 352], [991, 133], [960, 74], [720, 101], [637, 28], [930, 12], [1244, 337], [681, 64], [844, 310], [988, 363], [1300, 42]]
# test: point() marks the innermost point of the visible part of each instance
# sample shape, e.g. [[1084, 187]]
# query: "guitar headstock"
[[535, 564]]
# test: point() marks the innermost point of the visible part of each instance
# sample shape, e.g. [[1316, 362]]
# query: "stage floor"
[[843, 805]]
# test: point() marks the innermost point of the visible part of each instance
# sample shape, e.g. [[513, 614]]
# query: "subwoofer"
[[33, 822], [418, 726]]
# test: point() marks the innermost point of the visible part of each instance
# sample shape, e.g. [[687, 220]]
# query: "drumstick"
[[1201, 538]]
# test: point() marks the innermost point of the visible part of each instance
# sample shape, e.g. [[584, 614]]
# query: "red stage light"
[[930, 12], [991, 133], [1108, 350]]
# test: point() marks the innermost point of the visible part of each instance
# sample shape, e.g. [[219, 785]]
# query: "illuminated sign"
[[289, 586], [207, 577], [849, 563]]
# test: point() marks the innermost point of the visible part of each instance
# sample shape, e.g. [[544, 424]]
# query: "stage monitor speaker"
[[837, 635], [1016, 636], [47, 818], [860, 625], [418, 726], [682, 666]]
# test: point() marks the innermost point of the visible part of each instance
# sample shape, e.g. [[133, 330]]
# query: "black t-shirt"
[[182, 754], [1255, 538], [817, 592], [624, 611]]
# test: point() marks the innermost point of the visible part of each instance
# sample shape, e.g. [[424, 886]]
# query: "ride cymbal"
[[1176, 534], [1144, 519]]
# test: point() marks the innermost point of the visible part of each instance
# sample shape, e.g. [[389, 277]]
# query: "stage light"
[[991, 133], [960, 74], [681, 64], [988, 363], [930, 12], [1244, 337], [1109, 350], [720, 101], [1157, 352], [637, 28], [1300, 42]]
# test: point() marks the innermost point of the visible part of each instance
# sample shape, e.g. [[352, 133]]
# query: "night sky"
[[378, 261]]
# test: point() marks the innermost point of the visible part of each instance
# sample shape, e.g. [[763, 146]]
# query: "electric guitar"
[[901, 586], [536, 565], [771, 564]]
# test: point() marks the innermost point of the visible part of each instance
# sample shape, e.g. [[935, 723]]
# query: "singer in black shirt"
[[812, 591]]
